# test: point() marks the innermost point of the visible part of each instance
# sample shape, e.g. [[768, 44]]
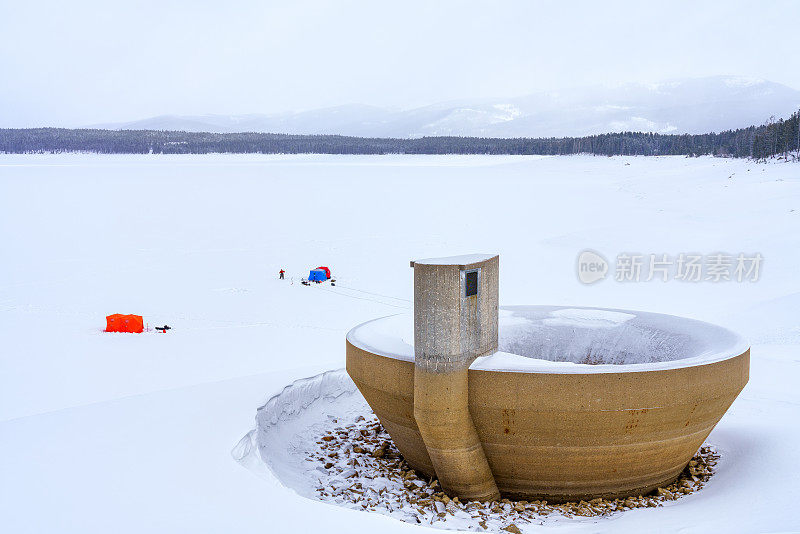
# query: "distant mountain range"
[[696, 105]]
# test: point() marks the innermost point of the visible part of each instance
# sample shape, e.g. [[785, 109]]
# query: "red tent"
[[124, 323], [327, 272]]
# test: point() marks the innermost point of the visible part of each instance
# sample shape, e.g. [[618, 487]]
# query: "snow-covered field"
[[133, 433]]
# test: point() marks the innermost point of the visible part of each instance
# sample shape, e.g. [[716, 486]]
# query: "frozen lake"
[[132, 433]]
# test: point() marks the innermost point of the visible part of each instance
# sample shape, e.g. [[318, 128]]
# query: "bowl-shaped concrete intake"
[[568, 436]]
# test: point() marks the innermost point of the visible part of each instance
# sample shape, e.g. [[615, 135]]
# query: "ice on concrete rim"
[[586, 317], [574, 340]]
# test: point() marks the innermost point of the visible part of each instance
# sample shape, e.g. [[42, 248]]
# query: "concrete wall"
[[451, 329], [566, 437]]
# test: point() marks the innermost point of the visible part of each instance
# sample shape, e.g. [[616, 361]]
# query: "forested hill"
[[772, 138]]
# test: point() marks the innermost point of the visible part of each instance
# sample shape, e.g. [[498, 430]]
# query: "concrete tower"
[[455, 321]]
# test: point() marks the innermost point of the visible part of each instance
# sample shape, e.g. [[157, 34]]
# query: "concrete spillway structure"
[[455, 321], [573, 403]]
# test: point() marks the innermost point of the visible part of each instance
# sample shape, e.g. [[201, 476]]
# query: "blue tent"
[[317, 275]]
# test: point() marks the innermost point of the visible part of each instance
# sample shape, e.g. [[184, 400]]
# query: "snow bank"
[[557, 339], [284, 422]]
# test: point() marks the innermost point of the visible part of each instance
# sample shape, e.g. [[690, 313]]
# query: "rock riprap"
[[359, 467]]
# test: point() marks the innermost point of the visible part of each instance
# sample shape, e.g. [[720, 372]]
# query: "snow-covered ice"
[[133, 433]]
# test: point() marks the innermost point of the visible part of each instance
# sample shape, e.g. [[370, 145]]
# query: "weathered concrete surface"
[[390, 394], [441, 410], [451, 329], [567, 436]]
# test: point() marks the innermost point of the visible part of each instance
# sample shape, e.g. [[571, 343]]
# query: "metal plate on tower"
[[471, 283]]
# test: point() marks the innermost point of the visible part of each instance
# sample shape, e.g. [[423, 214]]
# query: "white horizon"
[[88, 62]]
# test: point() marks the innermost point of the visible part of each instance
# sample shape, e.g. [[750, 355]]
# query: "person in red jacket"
[[280, 274]]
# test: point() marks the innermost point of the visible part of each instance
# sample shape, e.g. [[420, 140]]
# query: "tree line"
[[773, 138]]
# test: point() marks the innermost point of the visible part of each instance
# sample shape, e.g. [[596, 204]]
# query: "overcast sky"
[[71, 63]]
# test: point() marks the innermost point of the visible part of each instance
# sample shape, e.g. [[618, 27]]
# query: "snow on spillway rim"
[[556, 339]]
